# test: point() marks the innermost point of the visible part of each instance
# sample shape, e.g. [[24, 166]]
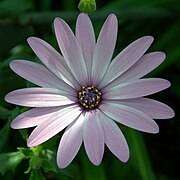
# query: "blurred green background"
[[152, 156]]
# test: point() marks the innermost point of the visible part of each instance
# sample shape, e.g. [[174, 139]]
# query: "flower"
[[86, 92]]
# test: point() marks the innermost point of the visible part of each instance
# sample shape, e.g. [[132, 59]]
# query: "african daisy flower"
[[85, 92]]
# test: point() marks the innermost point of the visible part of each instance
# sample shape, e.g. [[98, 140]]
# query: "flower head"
[[85, 92]]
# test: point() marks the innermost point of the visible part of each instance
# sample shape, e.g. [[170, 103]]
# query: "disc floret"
[[89, 97]]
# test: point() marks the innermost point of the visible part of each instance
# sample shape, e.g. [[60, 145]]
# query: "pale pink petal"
[[70, 142], [152, 108], [53, 125], [137, 88], [52, 60], [40, 75], [93, 136], [143, 66], [130, 117], [86, 38], [38, 97], [114, 138], [104, 48], [71, 50], [34, 117], [125, 59]]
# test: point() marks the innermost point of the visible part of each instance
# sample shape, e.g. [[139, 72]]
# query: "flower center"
[[89, 97]]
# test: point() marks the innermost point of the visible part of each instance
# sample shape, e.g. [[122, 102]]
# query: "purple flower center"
[[89, 97]]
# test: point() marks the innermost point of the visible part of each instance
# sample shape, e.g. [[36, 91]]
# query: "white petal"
[[40, 75], [152, 108], [52, 60], [114, 138], [54, 125], [70, 142], [39, 97], [125, 59], [34, 117], [93, 136], [71, 50], [137, 88], [130, 117], [143, 66], [104, 48], [86, 38]]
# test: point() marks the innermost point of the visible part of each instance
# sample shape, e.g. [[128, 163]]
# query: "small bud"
[[87, 6]]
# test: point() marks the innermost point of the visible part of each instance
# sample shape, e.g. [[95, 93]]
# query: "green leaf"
[[35, 162], [69, 5], [49, 166], [4, 134], [4, 113], [48, 162], [12, 35], [36, 175], [139, 155], [9, 8], [26, 151], [90, 171], [9, 161]]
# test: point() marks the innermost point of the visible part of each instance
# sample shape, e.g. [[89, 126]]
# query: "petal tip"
[[14, 64], [171, 113], [57, 20], [125, 160], [82, 15], [149, 39], [168, 84], [6, 98], [31, 39], [97, 162], [112, 16], [12, 125], [30, 143], [61, 165], [155, 130], [163, 55]]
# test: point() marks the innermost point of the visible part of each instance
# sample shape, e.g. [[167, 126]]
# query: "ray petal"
[[93, 136], [40, 75], [38, 97], [125, 59], [114, 138], [130, 117], [34, 117], [137, 88], [52, 60], [71, 50], [152, 108], [104, 48], [70, 142], [86, 38], [54, 125]]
